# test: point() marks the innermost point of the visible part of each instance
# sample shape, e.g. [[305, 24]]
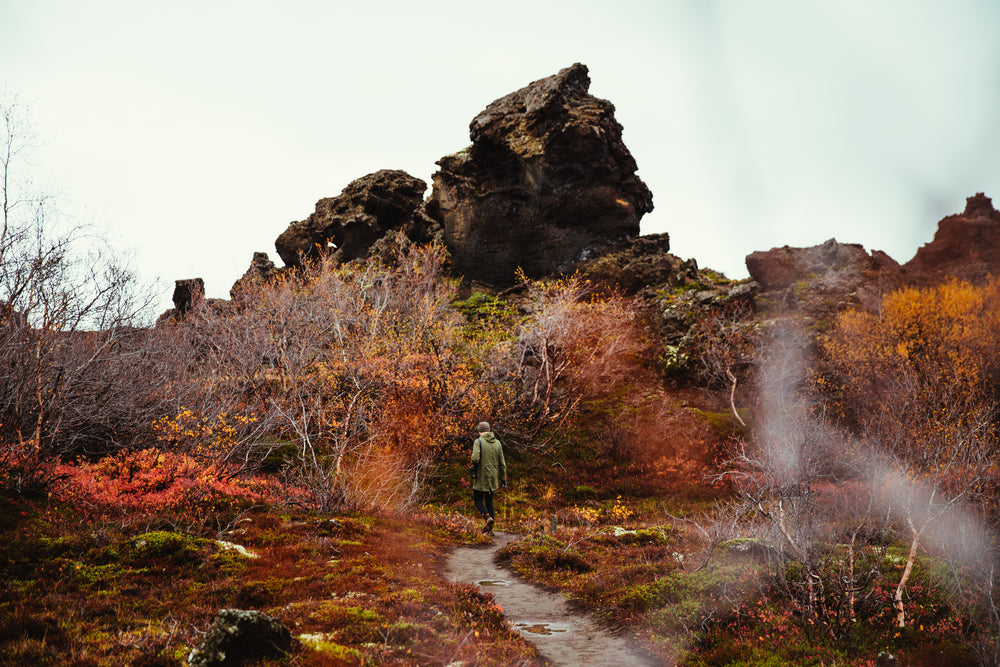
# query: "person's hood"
[[488, 436]]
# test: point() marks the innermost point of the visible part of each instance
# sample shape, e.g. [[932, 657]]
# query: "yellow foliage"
[[925, 365], [943, 335]]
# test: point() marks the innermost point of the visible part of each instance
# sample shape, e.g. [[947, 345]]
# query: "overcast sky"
[[195, 131]]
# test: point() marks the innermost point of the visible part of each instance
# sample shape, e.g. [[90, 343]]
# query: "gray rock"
[[886, 659]]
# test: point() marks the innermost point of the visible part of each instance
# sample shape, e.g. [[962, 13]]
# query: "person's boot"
[[488, 529]]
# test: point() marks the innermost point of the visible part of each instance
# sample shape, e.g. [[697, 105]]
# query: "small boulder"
[[886, 659], [241, 637]]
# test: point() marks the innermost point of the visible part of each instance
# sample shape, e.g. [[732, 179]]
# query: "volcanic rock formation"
[[189, 298], [367, 210], [966, 245], [546, 183], [638, 263], [261, 270], [188, 294], [824, 279], [846, 263]]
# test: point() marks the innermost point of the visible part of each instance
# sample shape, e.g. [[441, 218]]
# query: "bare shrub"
[[725, 344], [803, 496], [68, 347], [355, 374], [919, 380], [576, 346]]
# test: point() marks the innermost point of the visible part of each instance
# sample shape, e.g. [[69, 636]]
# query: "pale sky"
[[195, 131]]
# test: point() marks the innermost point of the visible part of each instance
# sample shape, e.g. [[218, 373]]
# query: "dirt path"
[[563, 637]]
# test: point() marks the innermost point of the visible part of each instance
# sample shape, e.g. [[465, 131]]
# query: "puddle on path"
[[539, 628], [562, 636], [493, 582]]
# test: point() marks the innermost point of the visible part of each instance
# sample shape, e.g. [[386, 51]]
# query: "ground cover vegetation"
[[809, 495]]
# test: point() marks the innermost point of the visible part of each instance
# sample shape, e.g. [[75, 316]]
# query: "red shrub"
[[154, 480]]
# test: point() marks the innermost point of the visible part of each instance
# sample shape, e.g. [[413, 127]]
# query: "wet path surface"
[[563, 636]]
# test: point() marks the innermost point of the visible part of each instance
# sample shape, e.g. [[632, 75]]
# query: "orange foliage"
[[204, 438], [576, 344], [586, 362]]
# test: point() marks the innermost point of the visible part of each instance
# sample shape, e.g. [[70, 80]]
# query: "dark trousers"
[[484, 503]]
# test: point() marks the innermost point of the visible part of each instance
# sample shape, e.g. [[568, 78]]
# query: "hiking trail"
[[562, 635]]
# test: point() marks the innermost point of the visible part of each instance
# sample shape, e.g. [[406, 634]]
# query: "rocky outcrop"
[[238, 637], [966, 246], [261, 270], [826, 278], [779, 268], [637, 264], [368, 209], [632, 265], [188, 294], [546, 183], [189, 298], [699, 314]]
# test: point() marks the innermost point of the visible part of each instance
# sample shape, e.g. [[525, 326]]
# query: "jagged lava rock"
[[260, 271], [189, 299], [367, 210], [965, 245], [546, 182], [188, 294], [638, 263], [820, 281]]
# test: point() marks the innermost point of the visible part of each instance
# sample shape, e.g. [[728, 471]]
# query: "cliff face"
[[546, 183], [966, 245]]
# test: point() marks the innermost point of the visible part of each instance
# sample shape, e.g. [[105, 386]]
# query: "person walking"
[[489, 473]]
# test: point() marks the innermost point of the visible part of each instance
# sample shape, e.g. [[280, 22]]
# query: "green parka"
[[487, 455]]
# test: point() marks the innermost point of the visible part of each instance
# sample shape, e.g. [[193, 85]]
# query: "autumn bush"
[[355, 376], [925, 347], [577, 342], [920, 382], [586, 367]]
